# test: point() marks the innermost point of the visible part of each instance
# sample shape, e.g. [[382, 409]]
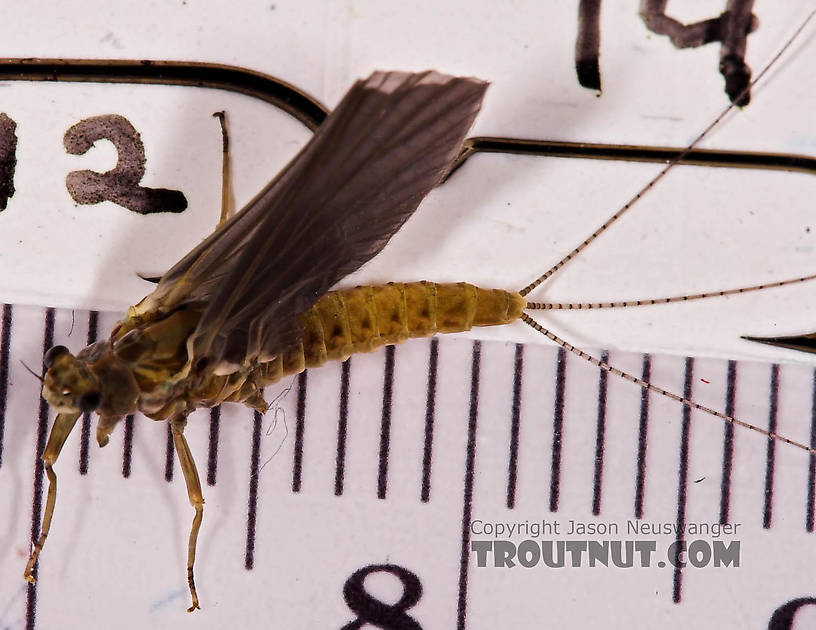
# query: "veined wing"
[[332, 208]]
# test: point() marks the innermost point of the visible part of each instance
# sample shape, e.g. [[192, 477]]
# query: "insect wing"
[[364, 172]]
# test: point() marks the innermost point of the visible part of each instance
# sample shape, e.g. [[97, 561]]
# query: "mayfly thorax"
[[252, 303]]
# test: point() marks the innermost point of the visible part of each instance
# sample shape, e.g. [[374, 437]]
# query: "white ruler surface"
[[369, 491]]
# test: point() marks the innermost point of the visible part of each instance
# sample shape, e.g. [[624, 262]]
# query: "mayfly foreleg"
[[59, 433], [193, 482], [227, 201], [227, 197]]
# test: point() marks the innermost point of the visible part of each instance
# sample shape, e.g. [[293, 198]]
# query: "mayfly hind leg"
[[641, 302], [56, 440], [193, 483]]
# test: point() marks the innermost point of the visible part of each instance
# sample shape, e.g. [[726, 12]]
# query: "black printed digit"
[[8, 158], [783, 617], [120, 184], [731, 28], [370, 610]]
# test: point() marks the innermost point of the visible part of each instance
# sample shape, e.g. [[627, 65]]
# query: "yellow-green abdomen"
[[365, 318]]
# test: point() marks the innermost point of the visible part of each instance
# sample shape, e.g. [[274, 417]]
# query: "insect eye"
[[52, 354], [89, 402]]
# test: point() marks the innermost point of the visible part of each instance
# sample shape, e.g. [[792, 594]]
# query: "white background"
[[117, 550], [502, 220]]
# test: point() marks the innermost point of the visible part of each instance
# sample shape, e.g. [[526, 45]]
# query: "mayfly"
[[252, 303]]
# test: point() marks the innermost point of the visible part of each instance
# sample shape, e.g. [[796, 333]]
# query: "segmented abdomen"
[[365, 318]]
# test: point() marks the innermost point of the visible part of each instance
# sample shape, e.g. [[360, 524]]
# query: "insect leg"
[[227, 202], [193, 482], [59, 433], [104, 428]]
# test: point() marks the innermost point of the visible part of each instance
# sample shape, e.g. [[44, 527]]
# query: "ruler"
[[365, 492], [499, 221]]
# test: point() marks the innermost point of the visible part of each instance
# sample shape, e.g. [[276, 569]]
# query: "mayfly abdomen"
[[364, 318]]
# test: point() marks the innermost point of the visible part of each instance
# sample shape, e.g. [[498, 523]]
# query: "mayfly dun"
[[253, 302]]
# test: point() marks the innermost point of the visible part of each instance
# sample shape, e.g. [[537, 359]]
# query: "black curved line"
[[290, 99], [586, 150], [311, 112]]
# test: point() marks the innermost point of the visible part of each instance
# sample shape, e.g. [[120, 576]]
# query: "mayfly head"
[[69, 385]]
